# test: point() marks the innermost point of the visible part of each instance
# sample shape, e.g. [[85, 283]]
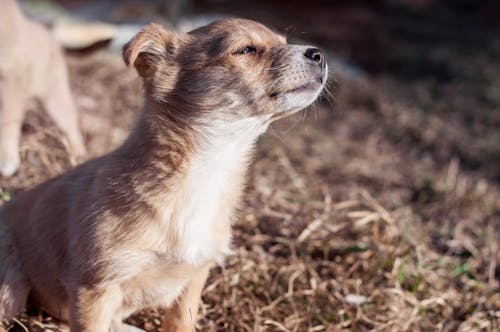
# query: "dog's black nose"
[[315, 55]]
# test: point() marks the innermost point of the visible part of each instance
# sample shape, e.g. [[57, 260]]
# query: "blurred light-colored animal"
[[31, 66], [141, 226]]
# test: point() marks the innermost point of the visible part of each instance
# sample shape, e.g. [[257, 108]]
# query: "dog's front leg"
[[183, 314], [92, 309]]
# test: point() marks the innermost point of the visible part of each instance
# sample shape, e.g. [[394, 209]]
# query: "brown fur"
[[31, 66], [141, 226]]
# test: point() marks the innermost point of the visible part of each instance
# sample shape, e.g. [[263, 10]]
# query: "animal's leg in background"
[[12, 102], [60, 105]]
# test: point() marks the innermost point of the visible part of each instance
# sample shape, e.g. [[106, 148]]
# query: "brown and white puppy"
[[31, 66], [142, 226]]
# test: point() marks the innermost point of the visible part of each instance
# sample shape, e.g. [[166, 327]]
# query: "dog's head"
[[230, 69]]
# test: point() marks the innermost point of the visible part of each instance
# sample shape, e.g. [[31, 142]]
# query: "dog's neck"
[[196, 171], [174, 142]]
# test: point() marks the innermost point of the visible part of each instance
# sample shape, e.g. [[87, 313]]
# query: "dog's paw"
[[122, 327], [9, 166]]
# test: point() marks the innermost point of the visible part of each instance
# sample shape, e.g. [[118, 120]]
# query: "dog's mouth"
[[298, 97], [312, 85]]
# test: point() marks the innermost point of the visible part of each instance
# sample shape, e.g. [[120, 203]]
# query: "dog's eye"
[[248, 49]]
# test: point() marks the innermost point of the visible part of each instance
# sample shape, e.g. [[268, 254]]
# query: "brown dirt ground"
[[388, 190]]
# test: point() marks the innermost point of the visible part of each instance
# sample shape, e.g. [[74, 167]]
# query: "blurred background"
[[376, 209]]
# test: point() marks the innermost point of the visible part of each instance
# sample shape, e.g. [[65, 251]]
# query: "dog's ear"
[[152, 46]]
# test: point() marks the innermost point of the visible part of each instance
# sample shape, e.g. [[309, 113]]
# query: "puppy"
[[31, 65], [142, 226]]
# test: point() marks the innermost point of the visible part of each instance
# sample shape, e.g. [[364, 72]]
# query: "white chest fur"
[[211, 188]]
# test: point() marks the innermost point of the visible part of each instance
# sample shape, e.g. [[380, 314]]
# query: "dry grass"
[[358, 216]]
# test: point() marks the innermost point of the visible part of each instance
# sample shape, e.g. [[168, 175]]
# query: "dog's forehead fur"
[[239, 31]]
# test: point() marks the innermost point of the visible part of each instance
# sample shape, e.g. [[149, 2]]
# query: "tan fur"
[[31, 66], [142, 226]]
